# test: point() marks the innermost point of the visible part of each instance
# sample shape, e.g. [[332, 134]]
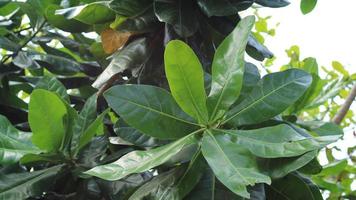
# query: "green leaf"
[[186, 79], [136, 137], [132, 56], [306, 6], [46, 117], [223, 8], [93, 13], [92, 129], [340, 68], [293, 187], [130, 8], [140, 161], [273, 94], [334, 168], [9, 45], [13, 143], [228, 68], [276, 141], [52, 84], [273, 3], [59, 21], [280, 167], [257, 50], [160, 187], [179, 14], [232, 164], [328, 128], [28, 184], [143, 23], [149, 109], [250, 79]]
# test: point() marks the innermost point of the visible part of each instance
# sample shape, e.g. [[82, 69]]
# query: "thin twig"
[[345, 107]]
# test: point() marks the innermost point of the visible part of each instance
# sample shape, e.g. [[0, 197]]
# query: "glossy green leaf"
[[306, 6], [149, 109], [132, 56], [13, 143], [251, 77], [160, 187], [130, 8], [145, 22], [179, 14], [232, 164], [313, 167], [274, 93], [328, 128], [93, 13], [222, 8], [59, 21], [257, 50], [140, 161], [293, 187], [228, 68], [54, 85], [28, 184], [273, 3], [280, 167], [46, 119], [276, 141], [186, 79]]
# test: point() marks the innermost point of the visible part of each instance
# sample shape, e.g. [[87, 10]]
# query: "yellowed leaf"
[[112, 40]]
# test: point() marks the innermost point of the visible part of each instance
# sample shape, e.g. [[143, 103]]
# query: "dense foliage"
[[85, 118]]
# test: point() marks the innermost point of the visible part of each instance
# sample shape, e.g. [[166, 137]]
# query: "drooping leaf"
[[27, 184], [223, 8], [52, 84], [186, 79], [273, 3], [46, 118], [140, 161], [179, 14], [272, 95], [228, 68], [306, 6], [232, 164], [113, 40], [13, 143], [293, 187], [257, 50], [276, 141], [130, 8], [130, 57], [149, 109], [93, 13]]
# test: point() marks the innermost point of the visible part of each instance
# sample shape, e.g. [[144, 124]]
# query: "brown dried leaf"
[[112, 40]]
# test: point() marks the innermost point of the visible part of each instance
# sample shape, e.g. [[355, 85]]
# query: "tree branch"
[[345, 107]]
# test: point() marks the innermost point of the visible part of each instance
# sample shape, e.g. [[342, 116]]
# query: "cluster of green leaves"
[[156, 145]]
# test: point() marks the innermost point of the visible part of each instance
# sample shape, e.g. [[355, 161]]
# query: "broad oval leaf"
[[186, 79], [223, 8], [276, 141], [273, 3], [93, 13], [228, 68], [13, 143], [46, 118], [54, 85], [273, 94], [232, 164], [28, 184], [178, 13], [140, 161], [149, 109]]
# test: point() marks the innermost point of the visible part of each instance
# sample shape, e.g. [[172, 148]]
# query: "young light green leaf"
[[276, 141], [85, 13], [149, 109], [140, 161], [186, 79], [54, 85], [28, 184], [13, 143], [272, 95], [228, 68], [232, 164], [47, 113]]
